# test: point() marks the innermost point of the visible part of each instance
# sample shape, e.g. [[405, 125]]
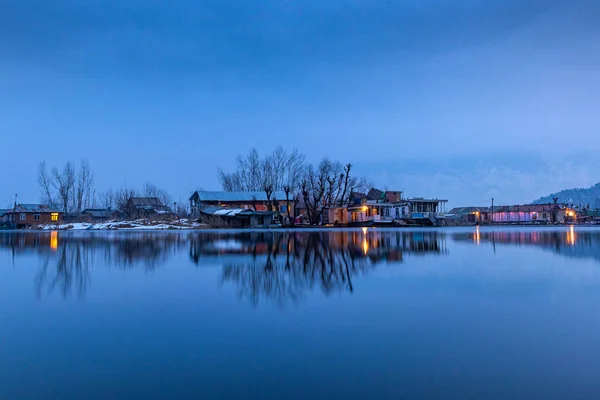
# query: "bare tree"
[[107, 199], [85, 181], [64, 184], [45, 182], [151, 190], [122, 196]]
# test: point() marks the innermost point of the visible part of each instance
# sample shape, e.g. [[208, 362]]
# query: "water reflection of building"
[[281, 266], [569, 242], [273, 264], [66, 258]]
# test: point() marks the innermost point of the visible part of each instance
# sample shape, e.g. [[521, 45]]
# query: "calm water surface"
[[463, 313]]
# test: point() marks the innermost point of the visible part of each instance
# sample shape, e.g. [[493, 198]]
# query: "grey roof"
[[204, 195], [357, 195], [35, 208], [210, 210], [232, 212], [375, 194], [146, 201]]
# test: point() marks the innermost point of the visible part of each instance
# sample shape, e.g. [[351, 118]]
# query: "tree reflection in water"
[[67, 258], [275, 266], [282, 266]]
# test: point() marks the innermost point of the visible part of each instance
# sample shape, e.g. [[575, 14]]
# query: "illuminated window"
[[54, 217]]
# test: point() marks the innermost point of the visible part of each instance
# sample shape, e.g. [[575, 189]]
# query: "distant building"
[[541, 213], [146, 207], [468, 215], [31, 215], [96, 214], [256, 201]]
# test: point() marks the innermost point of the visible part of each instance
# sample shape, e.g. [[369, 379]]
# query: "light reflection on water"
[[329, 259], [454, 313]]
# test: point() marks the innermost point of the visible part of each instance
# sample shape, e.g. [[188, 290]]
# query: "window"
[[23, 216], [54, 217], [36, 217]]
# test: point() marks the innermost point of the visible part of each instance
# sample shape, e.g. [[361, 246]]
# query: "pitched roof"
[[375, 194], [146, 201], [34, 208], [204, 195], [357, 195], [231, 212]]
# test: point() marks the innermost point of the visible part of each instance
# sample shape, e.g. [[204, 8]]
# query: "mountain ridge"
[[576, 196]]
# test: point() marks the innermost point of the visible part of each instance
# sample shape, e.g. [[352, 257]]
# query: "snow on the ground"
[[129, 225]]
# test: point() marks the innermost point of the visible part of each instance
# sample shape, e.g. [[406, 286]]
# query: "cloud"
[[508, 179]]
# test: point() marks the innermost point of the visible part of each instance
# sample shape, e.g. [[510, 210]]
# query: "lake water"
[[500, 313]]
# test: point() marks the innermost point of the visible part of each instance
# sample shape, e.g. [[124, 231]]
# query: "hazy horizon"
[[461, 101]]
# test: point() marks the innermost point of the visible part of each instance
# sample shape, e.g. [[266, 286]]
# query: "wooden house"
[[96, 214], [31, 215], [146, 207], [236, 217], [256, 201]]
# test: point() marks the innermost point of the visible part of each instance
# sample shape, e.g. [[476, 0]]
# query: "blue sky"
[[466, 100]]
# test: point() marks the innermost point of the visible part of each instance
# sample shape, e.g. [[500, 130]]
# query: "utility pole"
[[15, 212], [492, 221]]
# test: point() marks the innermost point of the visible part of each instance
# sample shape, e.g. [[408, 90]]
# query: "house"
[[96, 214], [236, 217], [530, 213], [467, 216], [30, 215], [256, 201], [589, 216], [426, 211], [376, 208], [146, 207]]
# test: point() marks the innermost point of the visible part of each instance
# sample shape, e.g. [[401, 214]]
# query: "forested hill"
[[581, 197]]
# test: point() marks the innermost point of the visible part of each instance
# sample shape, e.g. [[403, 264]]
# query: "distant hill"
[[581, 197]]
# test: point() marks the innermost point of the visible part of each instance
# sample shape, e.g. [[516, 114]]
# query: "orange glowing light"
[[571, 236], [54, 240]]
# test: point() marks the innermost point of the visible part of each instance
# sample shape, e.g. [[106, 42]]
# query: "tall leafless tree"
[[85, 182], [45, 180], [151, 190], [64, 184]]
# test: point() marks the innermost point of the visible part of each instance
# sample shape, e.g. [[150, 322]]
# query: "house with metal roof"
[[96, 214], [256, 200], [235, 217], [31, 215]]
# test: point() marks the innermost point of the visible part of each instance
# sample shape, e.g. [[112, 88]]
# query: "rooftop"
[[33, 208], [146, 201], [231, 212]]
